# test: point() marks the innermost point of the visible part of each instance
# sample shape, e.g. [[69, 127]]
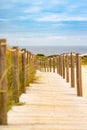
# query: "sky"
[[44, 22]]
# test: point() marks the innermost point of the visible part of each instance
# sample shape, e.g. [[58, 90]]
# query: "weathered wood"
[[54, 64], [67, 68], [45, 65], [72, 71], [34, 61], [64, 66], [24, 70], [15, 75], [42, 65], [27, 57], [57, 64], [27, 68], [50, 64], [60, 65], [79, 75], [39, 65], [49, 105], [3, 84]]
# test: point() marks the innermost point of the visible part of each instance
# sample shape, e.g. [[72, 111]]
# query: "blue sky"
[[44, 22]]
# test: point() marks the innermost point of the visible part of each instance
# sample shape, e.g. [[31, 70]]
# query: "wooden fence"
[[16, 69], [67, 66]]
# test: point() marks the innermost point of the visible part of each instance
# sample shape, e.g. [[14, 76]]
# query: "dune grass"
[[30, 76]]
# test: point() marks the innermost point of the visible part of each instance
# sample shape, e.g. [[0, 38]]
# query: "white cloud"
[[32, 39], [56, 37], [4, 19], [23, 17], [72, 7], [58, 2], [34, 9], [37, 3], [62, 17], [16, 1], [6, 6]]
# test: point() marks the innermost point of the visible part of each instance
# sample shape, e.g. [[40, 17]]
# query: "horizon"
[[54, 50]]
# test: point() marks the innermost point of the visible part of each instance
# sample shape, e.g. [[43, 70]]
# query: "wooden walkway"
[[50, 104]]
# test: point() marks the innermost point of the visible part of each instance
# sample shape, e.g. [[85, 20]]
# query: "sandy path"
[[51, 104]]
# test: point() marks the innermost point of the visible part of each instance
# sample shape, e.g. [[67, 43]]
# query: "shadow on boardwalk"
[[50, 104]]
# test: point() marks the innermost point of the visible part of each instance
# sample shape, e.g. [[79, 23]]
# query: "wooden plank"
[[50, 105]]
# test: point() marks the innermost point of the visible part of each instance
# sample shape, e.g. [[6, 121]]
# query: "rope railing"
[[66, 65], [17, 68]]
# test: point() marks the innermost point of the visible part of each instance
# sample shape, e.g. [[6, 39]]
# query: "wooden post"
[[72, 71], [60, 65], [3, 83], [54, 64], [50, 64], [15, 75], [29, 56], [37, 65], [34, 61], [57, 64], [27, 59], [67, 68], [64, 66], [27, 67], [23, 70], [40, 64], [45, 65], [79, 75]]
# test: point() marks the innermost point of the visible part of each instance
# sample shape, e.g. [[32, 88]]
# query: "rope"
[[3, 91], [11, 50]]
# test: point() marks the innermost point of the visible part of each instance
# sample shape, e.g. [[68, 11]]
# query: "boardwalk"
[[50, 104]]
